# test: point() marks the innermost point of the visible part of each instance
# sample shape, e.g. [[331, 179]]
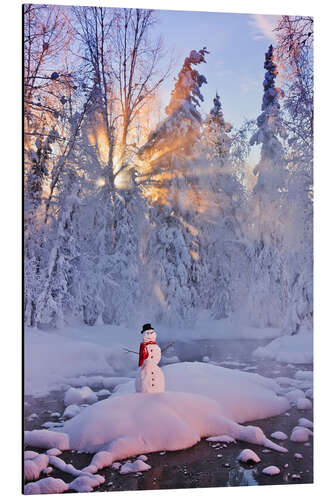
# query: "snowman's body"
[[150, 377]]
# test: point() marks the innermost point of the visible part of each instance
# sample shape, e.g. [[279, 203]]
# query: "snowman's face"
[[149, 336]]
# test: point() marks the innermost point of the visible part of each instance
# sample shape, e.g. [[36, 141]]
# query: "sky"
[[237, 44]]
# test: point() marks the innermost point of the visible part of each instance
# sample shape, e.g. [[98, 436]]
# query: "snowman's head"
[[149, 336]]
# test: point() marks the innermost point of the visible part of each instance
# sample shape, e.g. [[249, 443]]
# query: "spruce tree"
[[171, 253], [267, 302]]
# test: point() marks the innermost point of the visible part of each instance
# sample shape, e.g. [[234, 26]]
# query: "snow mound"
[[202, 401], [309, 393], [34, 466], [281, 436], [300, 434], [103, 392], [271, 470], [137, 466], [47, 471], [222, 439], [170, 360], [116, 465], [53, 452], [304, 422], [85, 484], [248, 456], [304, 375], [75, 396], [244, 396], [288, 349], [28, 455], [294, 395], [46, 439], [46, 485], [303, 404], [71, 411], [51, 358], [126, 425]]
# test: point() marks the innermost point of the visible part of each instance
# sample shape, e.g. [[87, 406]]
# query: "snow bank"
[[53, 358], [129, 424], [303, 404], [75, 396], [71, 411], [202, 401], [34, 466], [82, 484], [46, 439], [279, 435], [289, 349], [304, 422], [300, 434], [137, 466], [243, 396], [46, 485], [271, 470]]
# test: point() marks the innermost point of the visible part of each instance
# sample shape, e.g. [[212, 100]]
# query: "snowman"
[[150, 377]]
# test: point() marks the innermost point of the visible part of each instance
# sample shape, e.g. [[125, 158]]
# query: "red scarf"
[[143, 354]]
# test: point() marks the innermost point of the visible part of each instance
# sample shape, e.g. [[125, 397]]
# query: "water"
[[200, 466]]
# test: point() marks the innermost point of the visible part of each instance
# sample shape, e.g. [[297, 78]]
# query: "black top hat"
[[146, 327]]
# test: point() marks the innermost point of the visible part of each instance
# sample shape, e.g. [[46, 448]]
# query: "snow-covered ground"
[[54, 357], [202, 399], [289, 349]]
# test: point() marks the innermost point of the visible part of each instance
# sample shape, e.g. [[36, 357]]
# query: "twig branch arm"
[[129, 350]]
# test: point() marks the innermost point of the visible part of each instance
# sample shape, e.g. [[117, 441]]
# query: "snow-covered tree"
[[172, 251], [266, 300], [60, 293], [295, 55], [271, 167], [216, 131], [181, 127]]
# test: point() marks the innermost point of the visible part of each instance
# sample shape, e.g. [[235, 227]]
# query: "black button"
[[152, 385]]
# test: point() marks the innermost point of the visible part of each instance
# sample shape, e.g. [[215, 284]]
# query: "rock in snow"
[[75, 396], [281, 436], [53, 452], [300, 434], [304, 422], [103, 392], [303, 404], [289, 349], [271, 470], [137, 466], [71, 411], [248, 456], [294, 395]]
